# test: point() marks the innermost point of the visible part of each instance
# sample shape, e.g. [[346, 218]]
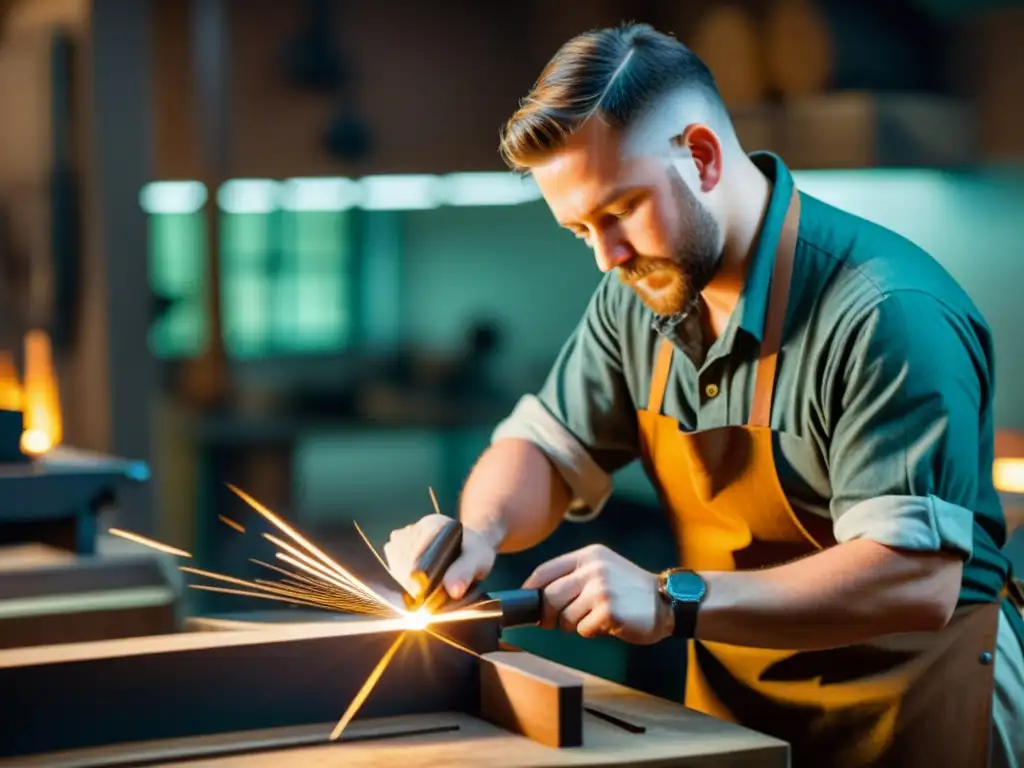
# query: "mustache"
[[638, 269]]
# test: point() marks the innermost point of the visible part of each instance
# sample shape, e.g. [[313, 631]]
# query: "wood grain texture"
[[531, 696], [199, 684]]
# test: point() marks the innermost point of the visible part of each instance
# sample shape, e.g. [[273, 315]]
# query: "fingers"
[[558, 596], [553, 569], [597, 622], [589, 612], [406, 544], [577, 592], [471, 566]]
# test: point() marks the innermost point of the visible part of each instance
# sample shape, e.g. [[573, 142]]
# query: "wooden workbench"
[[673, 736]]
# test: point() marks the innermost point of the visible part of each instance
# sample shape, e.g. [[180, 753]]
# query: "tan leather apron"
[[907, 701]]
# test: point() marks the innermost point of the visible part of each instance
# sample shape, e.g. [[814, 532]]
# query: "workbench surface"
[[674, 736]]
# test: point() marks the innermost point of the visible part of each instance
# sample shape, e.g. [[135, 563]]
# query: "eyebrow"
[[614, 196]]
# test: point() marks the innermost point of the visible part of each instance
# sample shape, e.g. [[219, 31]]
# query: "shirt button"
[[711, 390]]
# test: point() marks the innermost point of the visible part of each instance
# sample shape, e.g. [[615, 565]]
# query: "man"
[[811, 396]]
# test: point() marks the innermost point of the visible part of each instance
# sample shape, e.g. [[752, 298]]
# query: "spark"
[[148, 542], [247, 593], [283, 571], [336, 587], [338, 602], [311, 566], [368, 686], [433, 500], [449, 641], [318, 581], [464, 614], [349, 582], [231, 523], [374, 551], [300, 540]]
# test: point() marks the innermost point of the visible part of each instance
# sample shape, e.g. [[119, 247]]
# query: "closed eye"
[[624, 210]]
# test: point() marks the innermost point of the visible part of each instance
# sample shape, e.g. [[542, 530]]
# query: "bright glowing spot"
[[420, 619], [1008, 475], [35, 442]]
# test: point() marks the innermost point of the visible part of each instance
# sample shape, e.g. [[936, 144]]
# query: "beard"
[[668, 286]]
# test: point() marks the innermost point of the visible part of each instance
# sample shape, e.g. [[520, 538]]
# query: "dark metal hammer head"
[[432, 564]]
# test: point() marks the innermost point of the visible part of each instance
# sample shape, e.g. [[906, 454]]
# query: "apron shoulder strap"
[[775, 316], [659, 377]]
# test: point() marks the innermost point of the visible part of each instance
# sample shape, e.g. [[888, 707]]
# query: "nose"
[[610, 254]]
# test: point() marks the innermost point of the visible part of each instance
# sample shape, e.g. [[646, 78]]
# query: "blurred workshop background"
[[272, 244]]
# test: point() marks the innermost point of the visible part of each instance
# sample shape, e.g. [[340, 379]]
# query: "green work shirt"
[[883, 404]]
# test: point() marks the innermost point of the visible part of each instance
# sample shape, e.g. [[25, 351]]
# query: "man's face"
[[637, 213]]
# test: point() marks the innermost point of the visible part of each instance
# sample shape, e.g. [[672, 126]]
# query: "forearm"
[[514, 495], [844, 595]]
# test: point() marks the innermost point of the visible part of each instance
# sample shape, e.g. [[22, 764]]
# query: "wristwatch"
[[685, 591]]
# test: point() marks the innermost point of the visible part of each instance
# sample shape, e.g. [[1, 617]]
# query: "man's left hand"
[[594, 591]]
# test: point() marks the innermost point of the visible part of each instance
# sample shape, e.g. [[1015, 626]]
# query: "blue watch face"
[[685, 587]]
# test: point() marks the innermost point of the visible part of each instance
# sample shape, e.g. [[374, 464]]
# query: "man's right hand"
[[473, 564]]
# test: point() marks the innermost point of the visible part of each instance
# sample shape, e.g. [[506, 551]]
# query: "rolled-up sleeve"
[[584, 418], [904, 454]]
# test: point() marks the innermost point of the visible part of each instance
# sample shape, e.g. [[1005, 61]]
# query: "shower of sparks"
[[231, 523], [318, 581], [301, 541], [148, 542]]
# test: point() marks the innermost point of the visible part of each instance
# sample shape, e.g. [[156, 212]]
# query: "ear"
[[705, 149]]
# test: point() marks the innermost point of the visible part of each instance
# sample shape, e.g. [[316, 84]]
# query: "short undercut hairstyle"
[[613, 74]]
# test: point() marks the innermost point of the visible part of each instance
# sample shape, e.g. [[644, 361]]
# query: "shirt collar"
[[753, 301]]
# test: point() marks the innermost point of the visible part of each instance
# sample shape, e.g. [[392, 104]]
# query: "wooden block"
[[528, 695], [49, 597], [198, 684]]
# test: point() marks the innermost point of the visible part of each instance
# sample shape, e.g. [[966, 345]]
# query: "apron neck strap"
[[775, 316], [659, 379]]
